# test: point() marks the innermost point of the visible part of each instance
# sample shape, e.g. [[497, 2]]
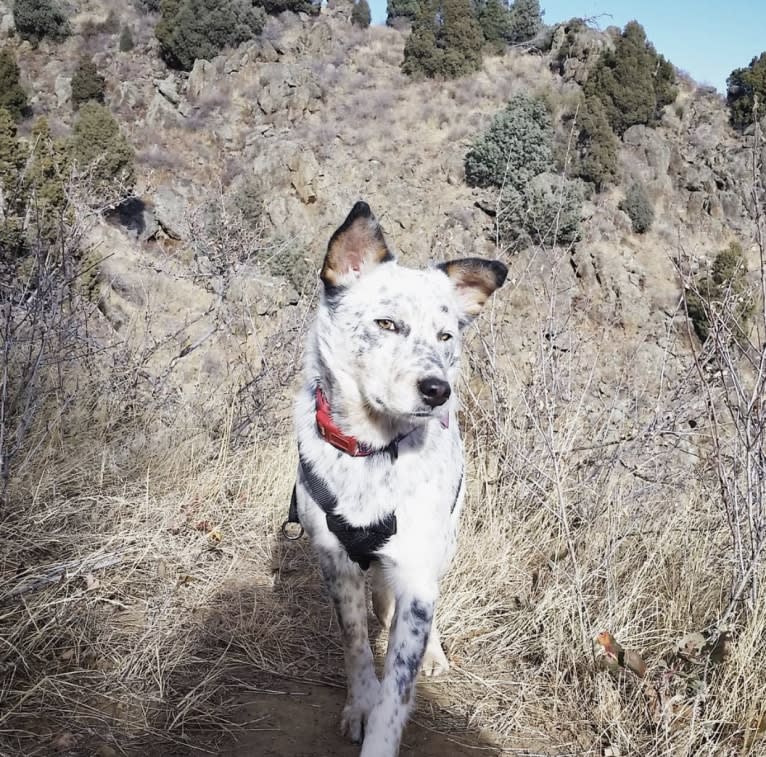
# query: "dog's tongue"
[[444, 419]]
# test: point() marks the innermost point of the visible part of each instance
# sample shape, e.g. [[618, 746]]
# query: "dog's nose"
[[434, 391]]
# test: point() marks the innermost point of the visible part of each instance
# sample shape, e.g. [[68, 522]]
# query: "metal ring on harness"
[[292, 531]]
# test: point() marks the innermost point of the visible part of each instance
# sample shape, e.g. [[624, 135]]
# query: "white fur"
[[370, 376]]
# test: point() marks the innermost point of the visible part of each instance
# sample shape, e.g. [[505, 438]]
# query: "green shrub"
[[723, 293], [639, 208], [37, 19], [516, 147], [360, 15], [742, 88], [12, 96], [633, 82], [126, 40], [87, 83], [525, 21], [446, 40], [99, 147], [597, 146], [192, 29]]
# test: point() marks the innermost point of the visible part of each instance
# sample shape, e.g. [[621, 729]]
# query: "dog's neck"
[[354, 417]]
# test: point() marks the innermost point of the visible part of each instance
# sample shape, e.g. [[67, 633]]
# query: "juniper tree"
[[633, 82], [12, 96], [87, 83], [360, 15], [37, 19], [525, 21], [402, 10], [494, 21]]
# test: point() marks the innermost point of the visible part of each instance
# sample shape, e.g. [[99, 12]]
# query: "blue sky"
[[706, 38]]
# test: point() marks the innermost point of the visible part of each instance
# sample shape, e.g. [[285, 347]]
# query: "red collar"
[[332, 434]]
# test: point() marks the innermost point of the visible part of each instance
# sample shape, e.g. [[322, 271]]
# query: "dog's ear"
[[475, 279], [356, 246]]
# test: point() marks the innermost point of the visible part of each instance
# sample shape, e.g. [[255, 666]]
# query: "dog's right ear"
[[355, 247]]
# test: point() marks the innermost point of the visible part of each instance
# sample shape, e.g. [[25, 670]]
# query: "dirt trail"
[[301, 720]]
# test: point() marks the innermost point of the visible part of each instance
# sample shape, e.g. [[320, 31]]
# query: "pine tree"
[[87, 83], [422, 56], [525, 21], [12, 96], [360, 15], [494, 21]]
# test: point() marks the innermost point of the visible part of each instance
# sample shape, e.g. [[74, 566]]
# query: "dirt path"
[[301, 720]]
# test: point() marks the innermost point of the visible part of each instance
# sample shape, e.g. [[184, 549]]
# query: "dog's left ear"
[[475, 279], [355, 247]]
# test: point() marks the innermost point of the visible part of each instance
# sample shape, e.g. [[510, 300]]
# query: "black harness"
[[360, 542]]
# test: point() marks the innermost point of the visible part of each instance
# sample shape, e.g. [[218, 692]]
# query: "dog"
[[380, 478]]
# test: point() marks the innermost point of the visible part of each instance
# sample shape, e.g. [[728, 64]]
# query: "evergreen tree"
[[98, 146], [632, 82], [597, 145], [402, 10], [461, 38], [639, 208], [48, 169], [494, 21], [126, 40], [192, 29], [36, 19], [360, 15], [742, 87], [87, 83], [517, 146], [446, 40], [525, 21], [12, 96], [13, 159]]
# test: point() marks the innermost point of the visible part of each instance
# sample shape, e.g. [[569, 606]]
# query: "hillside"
[[147, 602]]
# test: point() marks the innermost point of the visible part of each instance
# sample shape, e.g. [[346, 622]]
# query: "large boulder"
[[170, 210]]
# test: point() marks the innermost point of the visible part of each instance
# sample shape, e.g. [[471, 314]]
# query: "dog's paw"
[[435, 662], [357, 710]]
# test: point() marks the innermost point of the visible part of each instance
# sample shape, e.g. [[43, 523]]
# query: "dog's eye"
[[386, 324], [445, 336]]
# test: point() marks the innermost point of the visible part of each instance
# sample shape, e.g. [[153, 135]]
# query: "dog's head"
[[394, 333]]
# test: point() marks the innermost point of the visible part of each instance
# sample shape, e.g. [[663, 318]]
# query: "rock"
[[63, 89], [265, 295], [304, 169], [162, 113], [170, 210], [287, 88], [7, 25], [200, 78], [167, 88]]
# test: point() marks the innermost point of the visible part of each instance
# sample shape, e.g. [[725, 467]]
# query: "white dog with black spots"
[[380, 479]]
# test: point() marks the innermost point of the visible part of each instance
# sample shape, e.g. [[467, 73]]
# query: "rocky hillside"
[[316, 113]]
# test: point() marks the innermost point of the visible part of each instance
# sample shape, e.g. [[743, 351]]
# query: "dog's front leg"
[[345, 582], [407, 643]]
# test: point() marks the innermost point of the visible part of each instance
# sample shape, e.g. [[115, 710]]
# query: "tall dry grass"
[[144, 588]]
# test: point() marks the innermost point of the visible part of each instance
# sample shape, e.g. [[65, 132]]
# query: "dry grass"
[[589, 490]]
